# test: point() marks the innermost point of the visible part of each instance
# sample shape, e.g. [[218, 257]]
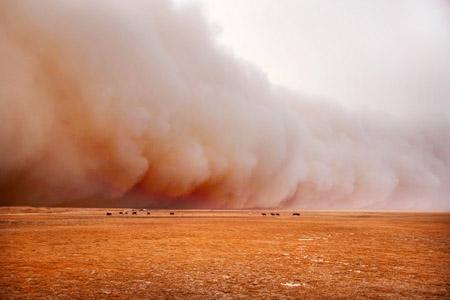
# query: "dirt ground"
[[82, 253]]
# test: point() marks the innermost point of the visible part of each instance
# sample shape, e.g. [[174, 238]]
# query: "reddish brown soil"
[[82, 253]]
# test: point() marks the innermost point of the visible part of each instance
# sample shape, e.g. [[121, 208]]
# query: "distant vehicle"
[[109, 214], [296, 214], [263, 214], [172, 213], [134, 213]]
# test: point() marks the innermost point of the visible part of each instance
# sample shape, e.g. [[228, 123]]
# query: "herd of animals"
[[134, 212]]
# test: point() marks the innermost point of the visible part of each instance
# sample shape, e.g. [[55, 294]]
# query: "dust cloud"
[[116, 102]]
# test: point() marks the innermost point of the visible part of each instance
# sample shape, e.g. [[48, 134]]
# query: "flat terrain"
[[82, 253]]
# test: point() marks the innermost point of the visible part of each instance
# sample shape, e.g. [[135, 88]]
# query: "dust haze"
[[134, 102]]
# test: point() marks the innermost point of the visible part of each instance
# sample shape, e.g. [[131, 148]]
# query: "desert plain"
[[75, 253]]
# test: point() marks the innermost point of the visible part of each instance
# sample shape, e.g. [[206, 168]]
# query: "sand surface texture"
[[82, 253]]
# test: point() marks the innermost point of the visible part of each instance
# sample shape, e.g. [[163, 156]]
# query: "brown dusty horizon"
[[258, 209]]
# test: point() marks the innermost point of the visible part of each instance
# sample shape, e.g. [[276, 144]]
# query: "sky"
[[392, 56]]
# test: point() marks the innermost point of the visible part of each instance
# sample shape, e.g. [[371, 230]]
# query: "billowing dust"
[[136, 101]]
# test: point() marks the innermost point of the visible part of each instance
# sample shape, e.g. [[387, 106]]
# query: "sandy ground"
[[82, 253]]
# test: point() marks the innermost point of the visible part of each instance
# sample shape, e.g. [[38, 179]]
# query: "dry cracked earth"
[[62, 253]]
